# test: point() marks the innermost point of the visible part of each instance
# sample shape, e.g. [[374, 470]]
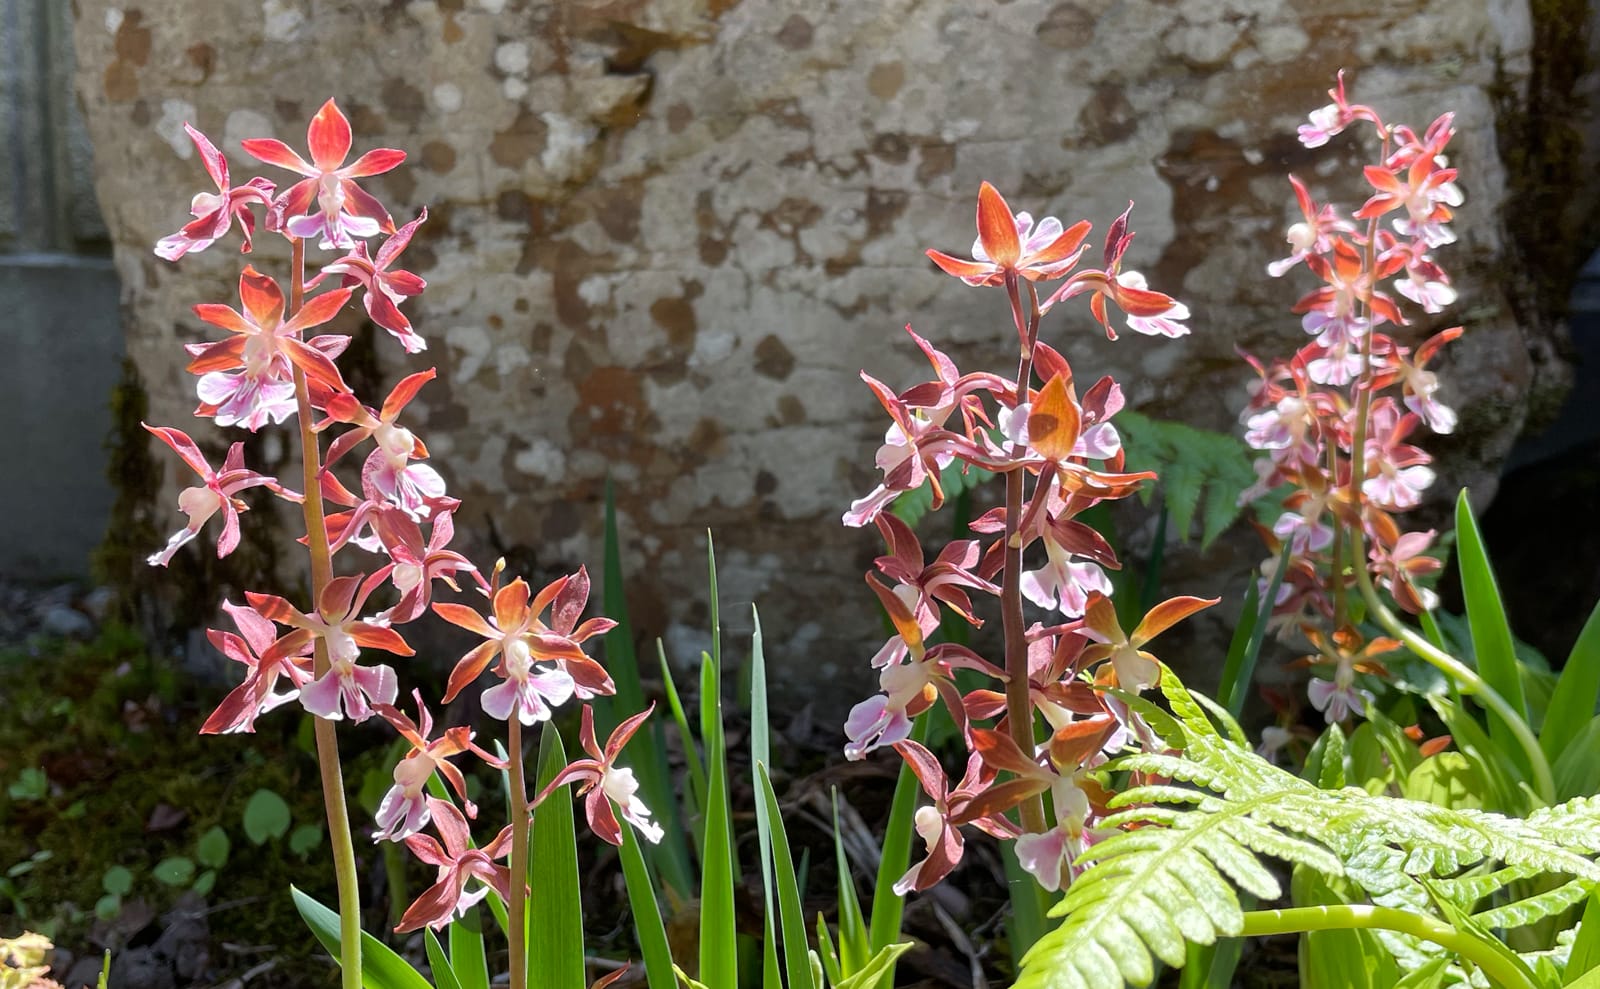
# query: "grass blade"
[[888, 907], [797, 963], [444, 976], [649, 758], [381, 968], [1491, 635], [467, 957], [719, 953], [1240, 668], [1573, 704], [653, 944], [760, 755], [853, 939], [555, 908], [691, 755]]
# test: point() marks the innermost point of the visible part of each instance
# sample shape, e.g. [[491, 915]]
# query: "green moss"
[[115, 731]]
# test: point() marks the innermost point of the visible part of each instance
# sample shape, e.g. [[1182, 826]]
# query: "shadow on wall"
[[62, 340], [1542, 529]]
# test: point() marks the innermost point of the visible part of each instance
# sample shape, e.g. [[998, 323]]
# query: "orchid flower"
[[264, 351], [604, 783], [219, 492], [346, 685], [344, 210], [214, 213], [404, 809], [268, 658], [385, 289], [459, 864]]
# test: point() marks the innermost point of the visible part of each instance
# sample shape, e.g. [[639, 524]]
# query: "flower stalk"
[[328, 765], [1501, 969]]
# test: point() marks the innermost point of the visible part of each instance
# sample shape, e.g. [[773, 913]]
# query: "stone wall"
[[663, 238]]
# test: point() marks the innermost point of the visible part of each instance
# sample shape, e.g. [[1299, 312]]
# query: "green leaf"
[[1585, 953], [1501, 792], [467, 958], [1238, 670], [555, 905], [1330, 771], [832, 967], [381, 968], [853, 936], [1429, 976], [719, 963], [1196, 466], [691, 755], [648, 752], [1492, 644], [687, 982], [31, 784], [304, 839], [760, 755], [174, 871], [108, 906], [1578, 690], [1447, 779], [212, 848], [266, 817], [444, 977], [888, 907], [797, 964], [879, 966], [117, 881], [205, 882], [653, 944]]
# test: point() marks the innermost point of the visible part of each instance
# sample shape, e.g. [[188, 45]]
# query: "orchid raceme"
[[1060, 455], [1336, 422], [269, 370]]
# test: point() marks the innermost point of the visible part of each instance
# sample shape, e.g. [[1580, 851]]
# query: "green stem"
[[344, 853], [1501, 970], [518, 923], [1466, 680]]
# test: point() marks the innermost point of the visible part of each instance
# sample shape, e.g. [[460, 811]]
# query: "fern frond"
[[1214, 809], [1202, 472], [1532, 909]]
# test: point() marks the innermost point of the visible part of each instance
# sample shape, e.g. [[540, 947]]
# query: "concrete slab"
[[60, 355]]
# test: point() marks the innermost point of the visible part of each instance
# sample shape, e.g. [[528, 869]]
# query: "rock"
[[141, 968], [83, 972], [67, 622], [664, 238], [185, 944]]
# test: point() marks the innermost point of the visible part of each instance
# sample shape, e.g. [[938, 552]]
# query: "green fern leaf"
[[1202, 473], [1171, 875], [1532, 909]]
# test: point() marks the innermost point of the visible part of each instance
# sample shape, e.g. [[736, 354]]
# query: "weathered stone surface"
[[664, 237]]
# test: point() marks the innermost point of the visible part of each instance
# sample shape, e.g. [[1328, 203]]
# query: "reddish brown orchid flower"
[[604, 783], [459, 863]]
